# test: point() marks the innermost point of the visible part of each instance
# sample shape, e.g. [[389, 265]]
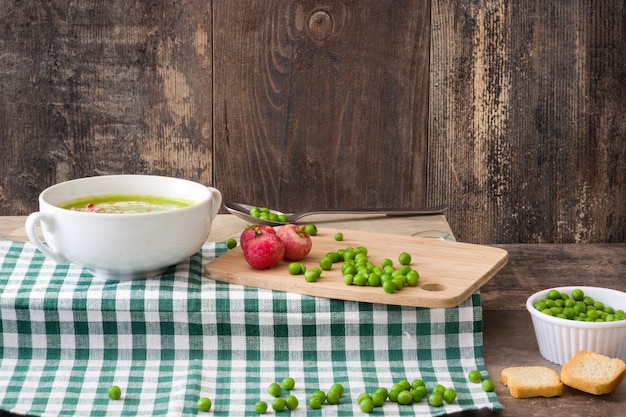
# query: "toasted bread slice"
[[593, 373], [532, 381]]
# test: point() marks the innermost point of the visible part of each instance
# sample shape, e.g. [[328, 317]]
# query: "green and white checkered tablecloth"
[[65, 338]]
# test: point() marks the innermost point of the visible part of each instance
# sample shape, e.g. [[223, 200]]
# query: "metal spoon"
[[243, 211]]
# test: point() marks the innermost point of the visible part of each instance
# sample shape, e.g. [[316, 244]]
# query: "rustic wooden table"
[[509, 338]]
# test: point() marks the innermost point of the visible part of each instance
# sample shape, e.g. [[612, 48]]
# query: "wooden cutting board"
[[449, 271]]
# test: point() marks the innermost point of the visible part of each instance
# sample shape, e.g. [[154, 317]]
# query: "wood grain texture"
[[91, 88], [513, 113], [321, 103], [527, 120], [449, 271]]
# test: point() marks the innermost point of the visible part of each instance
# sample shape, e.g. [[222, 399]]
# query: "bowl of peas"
[[570, 319]]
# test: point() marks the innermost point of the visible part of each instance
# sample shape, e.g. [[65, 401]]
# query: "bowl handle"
[[216, 201], [31, 231]]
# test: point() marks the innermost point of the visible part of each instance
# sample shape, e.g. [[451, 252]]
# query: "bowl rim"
[[196, 202], [573, 323]]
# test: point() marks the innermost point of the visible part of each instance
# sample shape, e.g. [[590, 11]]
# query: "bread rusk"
[[532, 381], [593, 373]]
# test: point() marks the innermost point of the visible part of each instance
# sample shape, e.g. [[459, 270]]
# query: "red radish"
[[296, 239], [263, 251], [253, 230]]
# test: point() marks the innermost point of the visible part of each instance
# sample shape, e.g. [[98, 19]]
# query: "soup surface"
[[126, 203]]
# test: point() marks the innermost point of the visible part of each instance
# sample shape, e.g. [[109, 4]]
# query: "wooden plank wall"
[[528, 121], [511, 112]]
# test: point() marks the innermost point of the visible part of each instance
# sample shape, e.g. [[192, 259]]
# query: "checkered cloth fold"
[[66, 337]]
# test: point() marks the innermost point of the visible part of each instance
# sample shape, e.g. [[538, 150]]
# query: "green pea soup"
[[126, 203]]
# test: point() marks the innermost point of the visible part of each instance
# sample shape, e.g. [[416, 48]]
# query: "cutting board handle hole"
[[434, 287]]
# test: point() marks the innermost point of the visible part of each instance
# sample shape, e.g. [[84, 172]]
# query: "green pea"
[[404, 258], [417, 394], [333, 396], [367, 405], [378, 399], [278, 404], [274, 389], [282, 218], [389, 287], [363, 396], [554, 294], [373, 280], [412, 278], [475, 376], [326, 263], [115, 392], [203, 404], [339, 236], [393, 394], [436, 400], [288, 383], [311, 229], [578, 294], [338, 388], [405, 384], [291, 402], [438, 389], [449, 395], [404, 397], [488, 385], [312, 274], [294, 268], [334, 256], [360, 279], [316, 402], [260, 407], [231, 243], [320, 394]]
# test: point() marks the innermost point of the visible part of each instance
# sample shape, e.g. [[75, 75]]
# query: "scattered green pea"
[[278, 404], [203, 404], [378, 398], [274, 389], [436, 400], [115, 392], [315, 402], [488, 385], [366, 405], [404, 258], [311, 229], [231, 243], [449, 395], [404, 397], [288, 383], [326, 263], [438, 389], [339, 237], [294, 268], [333, 396], [260, 407], [475, 376], [312, 274], [363, 396], [418, 394], [291, 402]]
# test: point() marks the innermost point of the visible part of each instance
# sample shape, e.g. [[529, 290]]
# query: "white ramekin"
[[559, 339]]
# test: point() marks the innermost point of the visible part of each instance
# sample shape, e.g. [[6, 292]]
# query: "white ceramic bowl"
[[559, 339], [123, 246]]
